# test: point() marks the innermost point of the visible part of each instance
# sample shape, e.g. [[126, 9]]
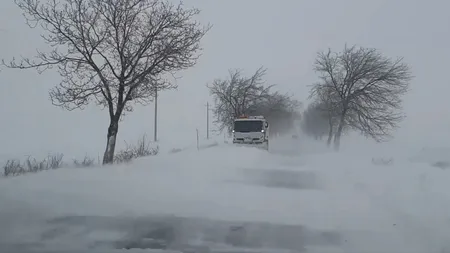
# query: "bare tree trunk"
[[337, 136], [108, 157], [330, 136], [330, 132]]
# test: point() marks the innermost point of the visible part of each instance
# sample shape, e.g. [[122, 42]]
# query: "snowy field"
[[297, 198]]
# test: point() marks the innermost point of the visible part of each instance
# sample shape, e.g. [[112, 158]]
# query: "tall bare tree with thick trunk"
[[368, 87], [112, 52]]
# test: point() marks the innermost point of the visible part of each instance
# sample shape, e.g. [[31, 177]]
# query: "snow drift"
[[315, 200]]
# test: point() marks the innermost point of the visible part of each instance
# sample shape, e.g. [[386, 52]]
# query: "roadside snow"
[[403, 207]]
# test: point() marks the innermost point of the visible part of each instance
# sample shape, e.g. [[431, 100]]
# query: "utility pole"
[[155, 137], [198, 144], [207, 120]]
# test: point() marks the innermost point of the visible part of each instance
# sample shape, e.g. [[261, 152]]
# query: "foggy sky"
[[283, 36]]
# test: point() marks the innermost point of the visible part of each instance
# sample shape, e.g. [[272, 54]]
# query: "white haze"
[[399, 207]]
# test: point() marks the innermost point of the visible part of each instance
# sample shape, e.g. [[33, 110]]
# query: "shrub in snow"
[[175, 150], [442, 164], [382, 161], [86, 162], [31, 165], [13, 168], [141, 149]]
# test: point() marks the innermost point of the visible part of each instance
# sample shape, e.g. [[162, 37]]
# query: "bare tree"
[[112, 52], [233, 97], [240, 95], [368, 88], [327, 104], [281, 110], [315, 121]]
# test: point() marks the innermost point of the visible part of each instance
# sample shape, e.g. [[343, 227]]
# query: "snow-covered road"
[[292, 198]]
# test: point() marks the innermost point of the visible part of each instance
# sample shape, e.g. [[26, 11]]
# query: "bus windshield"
[[245, 126]]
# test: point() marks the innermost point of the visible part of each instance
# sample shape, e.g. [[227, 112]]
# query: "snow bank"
[[174, 147], [432, 155], [403, 204]]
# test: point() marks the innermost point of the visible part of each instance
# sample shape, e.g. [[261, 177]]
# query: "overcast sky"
[[283, 36]]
